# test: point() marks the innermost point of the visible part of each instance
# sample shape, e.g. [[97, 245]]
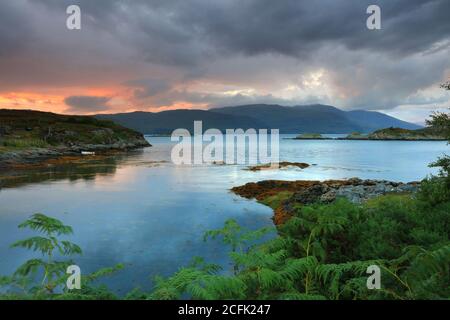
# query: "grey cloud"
[[252, 43], [379, 82], [148, 87], [185, 31], [298, 27], [214, 100], [12, 32], [86, 103]]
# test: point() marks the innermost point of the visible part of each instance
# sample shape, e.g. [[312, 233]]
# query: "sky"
[[200, 54]]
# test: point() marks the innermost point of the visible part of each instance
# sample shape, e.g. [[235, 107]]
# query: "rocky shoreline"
[[310, 191], [39, 156], [32, 138]]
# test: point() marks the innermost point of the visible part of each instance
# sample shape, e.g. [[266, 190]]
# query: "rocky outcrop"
[[282, 164], [310, 191], [266, 188], [355, 190], [19, 158], [31, 137]]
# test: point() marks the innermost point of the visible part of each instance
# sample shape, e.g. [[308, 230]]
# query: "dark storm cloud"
[[10, 30], [259, 26], [298, 27], [222, 41], [86, 103]]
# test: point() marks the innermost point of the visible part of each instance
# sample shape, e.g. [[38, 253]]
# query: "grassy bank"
[[23, 129]]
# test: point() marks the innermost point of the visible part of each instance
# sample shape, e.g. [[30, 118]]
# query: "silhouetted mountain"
[[299, 119]]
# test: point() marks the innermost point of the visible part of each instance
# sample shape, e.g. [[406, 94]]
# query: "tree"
[[441, 121], [436, 189]]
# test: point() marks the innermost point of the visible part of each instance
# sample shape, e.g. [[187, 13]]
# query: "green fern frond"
[[29, 267], [42, 223], [68, 248], [103, 272], [42, 244]]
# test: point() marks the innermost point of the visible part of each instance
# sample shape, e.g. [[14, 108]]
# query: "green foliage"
[[276, 200], [426, 273], [25, 282], [323, 252], [198, 281], [440, 121], [47, 225], [238, 238], [90, 292], [435, 189], [24, 143], [47, 245], [35, 129]]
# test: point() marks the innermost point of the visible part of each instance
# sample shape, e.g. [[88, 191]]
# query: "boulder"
[[311, 194]]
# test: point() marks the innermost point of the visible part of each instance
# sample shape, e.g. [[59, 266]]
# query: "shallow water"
[[144, 211]]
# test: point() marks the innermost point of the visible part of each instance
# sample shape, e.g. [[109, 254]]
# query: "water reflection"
[[71, 169]]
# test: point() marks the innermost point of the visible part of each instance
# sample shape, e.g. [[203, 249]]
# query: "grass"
[[24, 143], [21, 129], [276, 200], [399, 133]]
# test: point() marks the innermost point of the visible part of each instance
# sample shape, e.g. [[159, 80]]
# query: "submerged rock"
[[282, 164]]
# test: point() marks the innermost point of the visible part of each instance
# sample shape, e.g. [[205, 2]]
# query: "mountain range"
[[298, 119]]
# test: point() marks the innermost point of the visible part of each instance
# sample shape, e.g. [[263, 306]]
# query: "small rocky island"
[[30, 137], [280, 165], [394, 134], [311, 136], [399, 134]]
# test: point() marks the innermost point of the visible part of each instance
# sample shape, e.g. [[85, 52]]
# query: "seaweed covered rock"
[[304, 192]]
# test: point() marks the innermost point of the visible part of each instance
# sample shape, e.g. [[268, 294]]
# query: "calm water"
[[143, 211]]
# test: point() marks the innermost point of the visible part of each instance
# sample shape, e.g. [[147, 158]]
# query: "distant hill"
[[166, 121], [26, 129], [299, 119]]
